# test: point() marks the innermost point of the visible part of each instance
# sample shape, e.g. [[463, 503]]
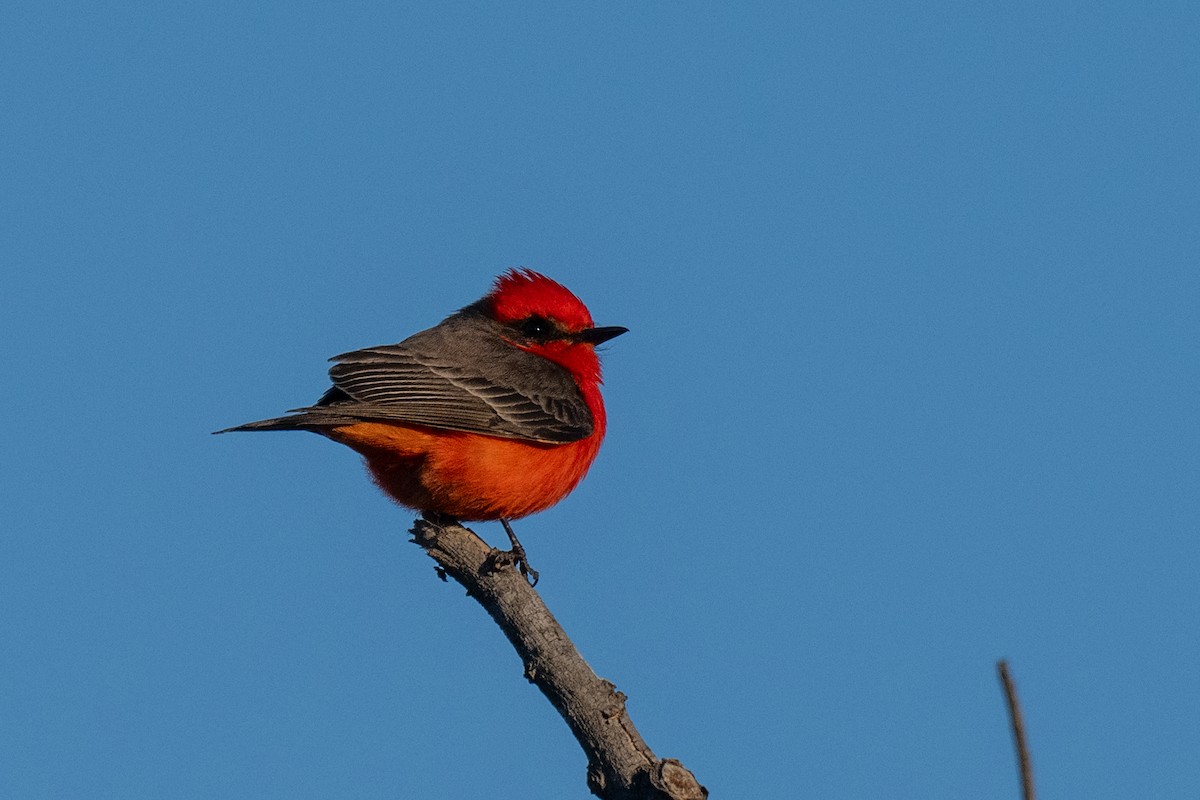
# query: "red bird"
[[494, 413]]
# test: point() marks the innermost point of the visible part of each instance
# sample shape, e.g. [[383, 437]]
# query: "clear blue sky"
[[911, 385]]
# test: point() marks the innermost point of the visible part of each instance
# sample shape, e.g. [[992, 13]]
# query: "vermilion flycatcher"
[[494, 413]]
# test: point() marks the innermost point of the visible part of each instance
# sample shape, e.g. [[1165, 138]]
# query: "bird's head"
[[544, 317]]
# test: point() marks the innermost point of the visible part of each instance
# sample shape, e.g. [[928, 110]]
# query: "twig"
[[621, 765], [1018, 728]]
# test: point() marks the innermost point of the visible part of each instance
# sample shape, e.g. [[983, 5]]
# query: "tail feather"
[[305, 420]]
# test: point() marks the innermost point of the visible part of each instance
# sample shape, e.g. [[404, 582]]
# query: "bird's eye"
[[536, 327]]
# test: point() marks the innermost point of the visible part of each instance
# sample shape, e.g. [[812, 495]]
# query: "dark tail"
[[277, 424], [307, 419]]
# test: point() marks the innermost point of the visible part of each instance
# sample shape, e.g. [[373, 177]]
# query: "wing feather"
[[460, 375]]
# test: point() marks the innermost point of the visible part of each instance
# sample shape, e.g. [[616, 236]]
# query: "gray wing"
[[462, 376]]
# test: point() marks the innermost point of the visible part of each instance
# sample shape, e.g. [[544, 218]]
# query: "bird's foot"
[[516, 556]]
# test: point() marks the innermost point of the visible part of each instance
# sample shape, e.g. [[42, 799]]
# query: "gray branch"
[[621, 766], [1024, 762]]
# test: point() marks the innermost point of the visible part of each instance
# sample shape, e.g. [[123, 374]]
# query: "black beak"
[[600, 335]]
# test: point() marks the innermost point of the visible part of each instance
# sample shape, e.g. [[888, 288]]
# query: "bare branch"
[[621, 765], [1018, 729]]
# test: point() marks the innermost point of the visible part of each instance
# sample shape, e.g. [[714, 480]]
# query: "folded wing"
[[460, 375]]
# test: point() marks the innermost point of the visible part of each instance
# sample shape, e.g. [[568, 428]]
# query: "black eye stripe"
[[538, 327]]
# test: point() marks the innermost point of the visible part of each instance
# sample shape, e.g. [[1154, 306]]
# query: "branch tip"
[[1024, 762]]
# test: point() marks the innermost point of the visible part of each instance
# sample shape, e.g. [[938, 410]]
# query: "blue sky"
[[910, 386]]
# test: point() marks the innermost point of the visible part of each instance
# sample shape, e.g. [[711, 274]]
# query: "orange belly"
[[467, 475]]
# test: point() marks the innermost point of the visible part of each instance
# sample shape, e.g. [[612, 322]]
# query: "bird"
[[495, 413]]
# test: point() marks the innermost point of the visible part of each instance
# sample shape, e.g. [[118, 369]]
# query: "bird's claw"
[[517, 556], [514, 558], [529, 573]]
